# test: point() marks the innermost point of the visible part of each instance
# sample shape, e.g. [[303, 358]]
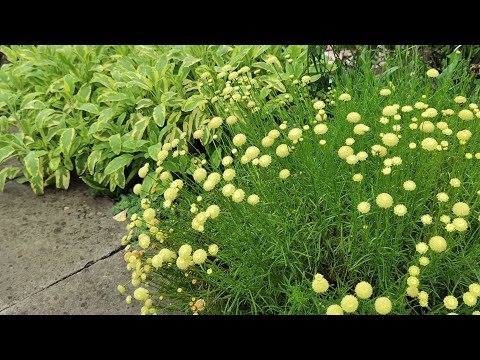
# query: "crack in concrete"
[[87, 265]]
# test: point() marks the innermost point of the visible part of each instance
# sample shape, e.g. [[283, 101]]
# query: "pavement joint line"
[[87, 265]]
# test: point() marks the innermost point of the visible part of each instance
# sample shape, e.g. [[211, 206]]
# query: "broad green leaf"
[[93, 158], [118, 163], [149, 181], [54, 163], [34, 105], [68, 163], [62, 178], [81, 163], [154, 150], [9, 173], [139, 128], [193, 102], [112, 96], [84, 93], [33, 172], [91, 183], [99, 126], [66, 140], [133, 145], [42, 116], [119, 177], [115, 142], [159, 115], [88, 107], [189, 61], [144, 103], [5, 153], [69, 85]]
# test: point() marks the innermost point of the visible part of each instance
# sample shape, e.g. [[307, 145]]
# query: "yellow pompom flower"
[[437, 243], [320, 129], [389, 110], [253, 199], [344, 152], [442, 197], [363, 290], [121, 289], [474, 289], [212, 211], [424, 261], [421, 247], [353, 117], [412, 291], [143, 171], [239, 140], [461, 209], [282, 150], [426, 219], [229, 174], [185, 251], [344, 97], [334, 310], [143, 241], [460, 224], [383, 305], [450, 302], [264, 160], [274, 133], [465, 114], [455, 182], [320, 284], [384, 200], [427, 127], [267, 141], [357, 177], [199, 175], [413, 281], [460, 99], [385, 92], [183, 263], [432, 73], [407, 108], [238, 195], [157, 261], [149, 214], [283, 174], [318, 105], [213, 249], [141, 294], [400, 210], [231, 120], [228, 190], [469, 299], [390, 139], [199, 256], [414, 270], [252, 152], [295, 134], [349, 303], [429, 144]]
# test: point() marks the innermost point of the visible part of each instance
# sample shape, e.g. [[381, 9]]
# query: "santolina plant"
[[367, 205]]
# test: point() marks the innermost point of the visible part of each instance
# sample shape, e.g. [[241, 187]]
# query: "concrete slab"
[[44, 239], [91, 291]]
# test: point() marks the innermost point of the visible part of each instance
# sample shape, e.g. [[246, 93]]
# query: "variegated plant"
[[103, 111]]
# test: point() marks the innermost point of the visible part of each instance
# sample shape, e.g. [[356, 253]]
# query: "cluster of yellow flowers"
[[427, 134]]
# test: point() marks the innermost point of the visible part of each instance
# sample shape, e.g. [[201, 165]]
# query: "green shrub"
[[358, 203], [104, 111]]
